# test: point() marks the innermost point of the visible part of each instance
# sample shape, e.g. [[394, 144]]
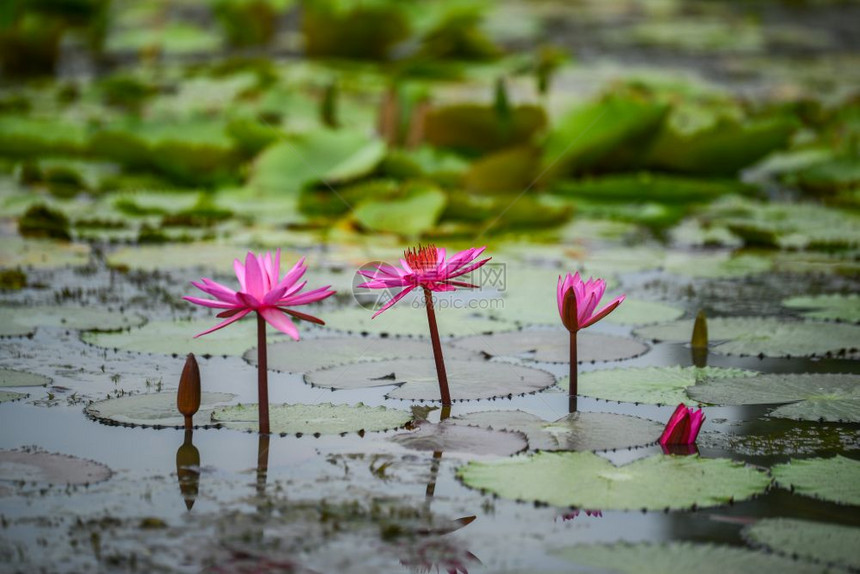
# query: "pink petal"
[[210, 303], [216, 290], [393, 300], [696, 420], [280, 321], [308, 297], [254, 277], [469, 269], [672, 425], [604, 312], [223, 324], [294, 274], [240, 273], [248, 300]]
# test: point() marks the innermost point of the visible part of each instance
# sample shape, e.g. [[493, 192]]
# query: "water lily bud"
[[188, 395], [700, 332]]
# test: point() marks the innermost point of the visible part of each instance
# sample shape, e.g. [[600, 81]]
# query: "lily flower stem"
[[437, 349], [571, 395], [262, 376]]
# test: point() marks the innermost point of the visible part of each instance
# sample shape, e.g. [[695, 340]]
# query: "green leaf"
[[576, 431], [764, 336], [453, 439], [153, 410], [585, 480], [416, 379], [511, 169], [650, 385], [646, 186], [314, 419], [814, 397], [13, 378], [413, 212], [834, 479], [829, 307], [41, 253], [205, 256], [476, 128], [45, 467], [678, 558], [553, 346], [404, 318], [717, 265], [818, 541], [6, 396], [80, 318]]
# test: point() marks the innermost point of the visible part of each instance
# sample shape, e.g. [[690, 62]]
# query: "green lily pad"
[[13, 378], [586, 480], [818, 541], [813, 397], [410, 214], [520, 308], [311, 354], [649, 385], [6, 396], [80, 318], [454, 439], [46, 467], [481, 128], [829, 307], [678, 558], [417, 379], [553, 346], [834, 479], [651, 186], [153, 410], [209, 256], [407, 319], [716, 265], [170, 38], [314, 419], [41, 253], [636, 312], [766, 336], [177, 338], [780, 438], [576, 431]]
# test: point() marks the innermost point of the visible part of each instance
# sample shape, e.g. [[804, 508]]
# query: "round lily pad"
[[650, 385], [310, 354], [553, 346], [13, 378], [828, 307], [716, 265], [452, 438], [632, 312], [813, 397], [785, 438], [637, 312], [834, 479], [6, 396], [155, 410], [406, 319], [417, 379], [45, 467], [764, 336], [314, 419], [586, 480], [678, 558], [80, 318], [177, 338], [576, 431], [41, 253], [182, 256], [830, 543]]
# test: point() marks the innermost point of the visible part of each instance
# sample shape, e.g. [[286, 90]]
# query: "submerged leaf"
[[50, 468], [834, 479], [585, 480], [314, 419], [453, 439]]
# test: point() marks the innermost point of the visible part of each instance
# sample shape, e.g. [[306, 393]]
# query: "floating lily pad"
[[834, 479], [405, 318], [409, 214], [553, 346], [314, 419], [635, 312], [576, 431], [6, 396], [45, 467], [813, 397], [452, 438], [781, 438], [417, 380], [153, 409], [764, 336], [12, 378], [830, 543], [177, 338], [717, 265], [586, 480], [80, 318], [41, 253], [678, 558], [829, 307], [650, 385], [182, 256], [310, 354]]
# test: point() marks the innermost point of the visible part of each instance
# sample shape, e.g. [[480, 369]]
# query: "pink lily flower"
[[683, 426], [424, 266], [586, 297], [264, 291]]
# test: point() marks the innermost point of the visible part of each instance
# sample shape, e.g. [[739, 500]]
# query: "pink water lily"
[[264, 291], [586, 296], [424, 266], [683, 426]]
